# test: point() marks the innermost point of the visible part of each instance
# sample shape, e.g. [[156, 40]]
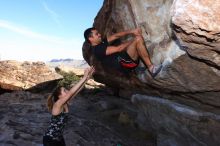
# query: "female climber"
[[57, 105]]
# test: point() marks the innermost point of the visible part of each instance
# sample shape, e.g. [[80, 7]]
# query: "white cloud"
[[22, 44], [26, 32], [21, 49], [52, 13]]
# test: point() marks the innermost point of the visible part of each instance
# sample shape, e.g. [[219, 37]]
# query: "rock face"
[[76, 71], [16, 75], [197, 26], [182, 73], [92, 121], [177, 124], [183, 35]]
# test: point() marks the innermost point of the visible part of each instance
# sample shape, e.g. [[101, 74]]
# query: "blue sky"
[[41, 30]]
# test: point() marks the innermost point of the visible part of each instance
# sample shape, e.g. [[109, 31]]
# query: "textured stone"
[[179, 125], [183, 35], [24, 119], [76, 71], [16, 75], [182, 74], [197, 26]]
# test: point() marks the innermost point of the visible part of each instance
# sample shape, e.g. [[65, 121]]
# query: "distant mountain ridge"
[[68, 62], [61, 60]]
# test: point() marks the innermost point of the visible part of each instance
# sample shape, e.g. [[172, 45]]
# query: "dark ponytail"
[[53, 97]]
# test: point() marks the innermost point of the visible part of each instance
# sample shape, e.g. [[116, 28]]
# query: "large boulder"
[[183, 35], [16, 75], [165, 28]]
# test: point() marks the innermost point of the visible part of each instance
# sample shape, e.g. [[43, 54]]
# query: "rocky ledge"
[[15, 75]]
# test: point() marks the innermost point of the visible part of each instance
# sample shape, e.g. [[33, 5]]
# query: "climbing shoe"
[[155, 70]]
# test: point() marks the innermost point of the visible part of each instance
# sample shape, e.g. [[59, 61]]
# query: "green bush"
[[68, 79]]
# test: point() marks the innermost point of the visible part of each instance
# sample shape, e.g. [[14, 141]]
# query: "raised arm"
[[119, 48], [76, 88], [60, 103], [88, 73], [115, 36]]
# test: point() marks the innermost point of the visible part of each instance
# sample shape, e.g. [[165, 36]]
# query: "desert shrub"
[[68, 79]]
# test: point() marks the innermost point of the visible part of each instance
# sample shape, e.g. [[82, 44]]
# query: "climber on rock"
[[123, 57]]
